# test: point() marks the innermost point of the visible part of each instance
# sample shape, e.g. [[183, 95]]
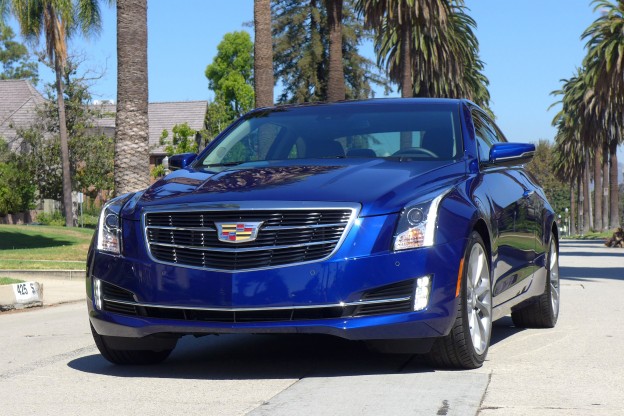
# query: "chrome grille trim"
[[244, 249], [272, 255], [276, 308]]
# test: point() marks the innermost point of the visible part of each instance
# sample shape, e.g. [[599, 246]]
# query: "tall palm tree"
[[605, 62], [435, 52], [336, 89], [570, 147], [131, 132], [56, 21], [400, 26], [263, 54]]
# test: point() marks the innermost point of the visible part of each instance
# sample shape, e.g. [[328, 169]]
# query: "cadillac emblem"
[[238, 232]]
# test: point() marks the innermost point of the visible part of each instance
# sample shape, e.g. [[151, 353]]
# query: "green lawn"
[[9, 281], [43, 247], [592, 235]]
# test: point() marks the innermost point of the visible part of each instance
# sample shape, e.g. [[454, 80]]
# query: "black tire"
[[543, 312], [128, 357], [456, 350]]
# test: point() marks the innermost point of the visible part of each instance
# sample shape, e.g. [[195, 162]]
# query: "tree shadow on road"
[[588, 274], [244, 357]]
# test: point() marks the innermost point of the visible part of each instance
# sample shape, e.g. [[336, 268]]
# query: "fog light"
[[421, 294], [97, 293]]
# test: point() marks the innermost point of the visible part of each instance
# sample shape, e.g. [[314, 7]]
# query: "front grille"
[[285, 237]]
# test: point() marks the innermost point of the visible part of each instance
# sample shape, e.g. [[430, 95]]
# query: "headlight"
[[109, 226], [418, 221]]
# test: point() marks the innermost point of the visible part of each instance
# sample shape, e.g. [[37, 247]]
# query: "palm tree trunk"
[[407, 85], [67, 186], [605, 186], [335, 84], [131, 133], [585, 179], [598, 189], [572, 230], [614, 200], [263, 54]]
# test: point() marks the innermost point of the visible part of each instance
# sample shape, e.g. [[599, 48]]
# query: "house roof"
[[165, 115], [162, 116], [18, 102]]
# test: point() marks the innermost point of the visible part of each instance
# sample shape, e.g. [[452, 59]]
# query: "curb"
[[21, 295], [53, 274]]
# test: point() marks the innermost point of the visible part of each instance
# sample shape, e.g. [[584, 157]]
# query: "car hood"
[[379, 185]]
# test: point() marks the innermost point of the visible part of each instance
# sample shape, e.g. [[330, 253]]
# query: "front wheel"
[[467, 344], [128, 357]]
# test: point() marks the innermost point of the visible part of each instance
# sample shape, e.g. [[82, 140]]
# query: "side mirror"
[[181, 161], [511, 154]]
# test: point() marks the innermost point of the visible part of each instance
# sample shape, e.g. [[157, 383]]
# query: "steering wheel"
[[411, 150]]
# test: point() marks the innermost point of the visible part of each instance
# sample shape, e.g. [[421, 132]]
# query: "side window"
[[485, 137]]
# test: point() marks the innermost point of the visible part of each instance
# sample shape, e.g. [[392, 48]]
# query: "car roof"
[[372, 101]]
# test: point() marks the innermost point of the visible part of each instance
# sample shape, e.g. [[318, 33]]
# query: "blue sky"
[[528, 46]]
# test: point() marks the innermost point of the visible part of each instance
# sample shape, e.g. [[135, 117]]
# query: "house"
[[18, 109], [161, 116]]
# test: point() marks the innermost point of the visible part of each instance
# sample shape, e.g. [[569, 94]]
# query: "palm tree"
[[605, 63], [428, 46], [57, 21], [570, 146], [131, 132], [336, 89], [263, 54]]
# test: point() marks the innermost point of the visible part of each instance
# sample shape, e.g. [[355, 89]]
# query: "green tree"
[[131, 120], [56, 21], [17, 187], [91, 161], [183, 141], [301, 43], [230, 73], [15, 60], [541, 167]]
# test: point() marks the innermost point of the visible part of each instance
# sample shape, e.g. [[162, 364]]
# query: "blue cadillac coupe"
[[410, 224]]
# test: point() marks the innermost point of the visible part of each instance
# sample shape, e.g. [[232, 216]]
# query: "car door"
[[513, 248]]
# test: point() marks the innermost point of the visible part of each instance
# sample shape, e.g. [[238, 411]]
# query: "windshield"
[[405, 132]]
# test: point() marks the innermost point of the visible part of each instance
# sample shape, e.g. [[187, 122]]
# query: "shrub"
[[55, 218]]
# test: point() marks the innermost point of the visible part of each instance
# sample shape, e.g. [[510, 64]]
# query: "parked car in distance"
[[410, 224]]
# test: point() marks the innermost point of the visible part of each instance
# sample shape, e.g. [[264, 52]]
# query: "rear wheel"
[[467, 344], [128, 357], [544, 312]]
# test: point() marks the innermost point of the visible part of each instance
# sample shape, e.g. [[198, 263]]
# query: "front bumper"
[[357, 269]]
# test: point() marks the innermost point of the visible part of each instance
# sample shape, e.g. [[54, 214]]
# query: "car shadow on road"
[[244, 357], [503, 329]]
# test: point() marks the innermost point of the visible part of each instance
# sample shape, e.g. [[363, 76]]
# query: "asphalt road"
[[49, 365]]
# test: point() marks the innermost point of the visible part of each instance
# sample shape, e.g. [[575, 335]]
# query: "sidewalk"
[[53, 291], [56, 291]]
